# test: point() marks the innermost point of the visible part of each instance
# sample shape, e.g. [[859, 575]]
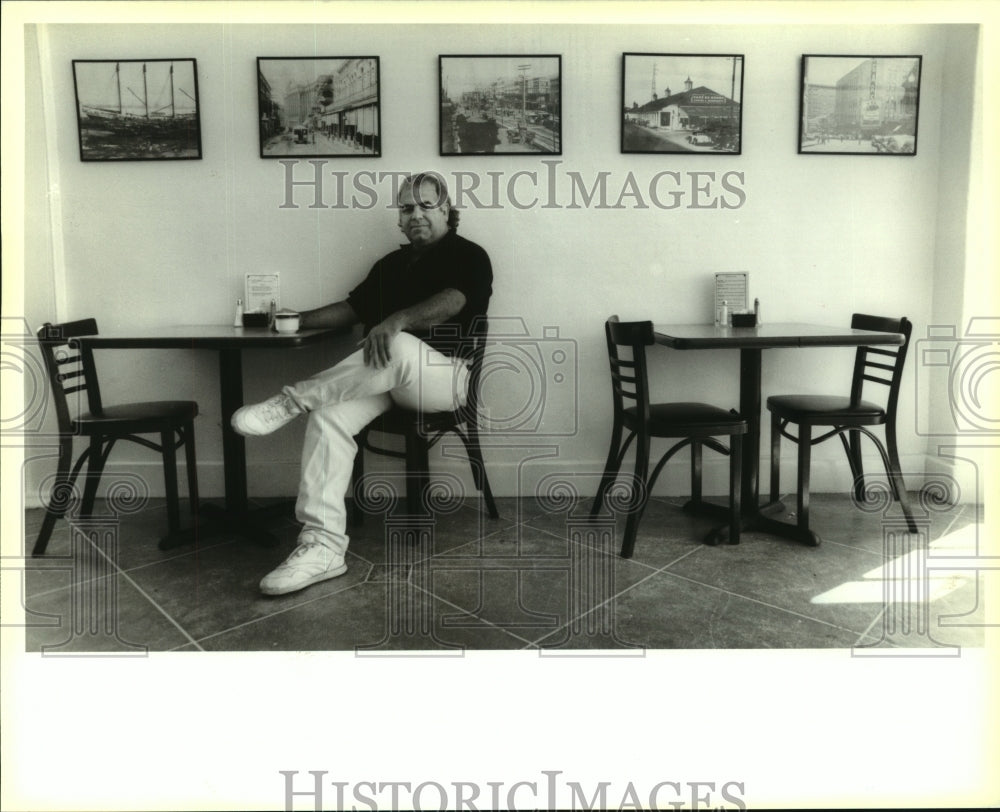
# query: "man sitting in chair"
[[414, 304]]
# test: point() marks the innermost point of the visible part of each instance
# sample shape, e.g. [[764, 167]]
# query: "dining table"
[[751, 343], [230, 343]]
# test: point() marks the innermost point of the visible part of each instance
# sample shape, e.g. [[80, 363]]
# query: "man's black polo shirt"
[[402, 279]]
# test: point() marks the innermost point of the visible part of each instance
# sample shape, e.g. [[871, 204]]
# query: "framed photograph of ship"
[[682, 103], [500, 105], [319, 107], [859, 105], [137, 109]]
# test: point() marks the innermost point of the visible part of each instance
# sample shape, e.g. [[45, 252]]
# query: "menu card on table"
[[734, 290], [261, 290]]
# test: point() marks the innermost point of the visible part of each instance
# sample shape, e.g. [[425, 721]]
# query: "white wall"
[[822, 236]]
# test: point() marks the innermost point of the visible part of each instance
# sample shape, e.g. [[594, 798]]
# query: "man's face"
[[423, 218]]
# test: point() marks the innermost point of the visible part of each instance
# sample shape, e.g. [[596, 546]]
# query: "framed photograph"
[[319, 107], [682, 103], [500, 105], [137, 109], [859, 105]]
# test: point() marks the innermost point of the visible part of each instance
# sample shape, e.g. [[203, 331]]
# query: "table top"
[[208, 336], [777, 334]]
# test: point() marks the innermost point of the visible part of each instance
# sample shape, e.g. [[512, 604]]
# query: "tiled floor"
[[541, 576]]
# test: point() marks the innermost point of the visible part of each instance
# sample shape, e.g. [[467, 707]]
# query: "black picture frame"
[[500, 104], [137, 109], [659, 117], [319, 106], [859, 105]]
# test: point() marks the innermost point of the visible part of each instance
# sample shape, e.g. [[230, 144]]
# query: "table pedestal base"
[[753, 521], [213, 521]]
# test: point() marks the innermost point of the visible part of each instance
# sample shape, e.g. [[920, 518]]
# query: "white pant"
[[343, 400]]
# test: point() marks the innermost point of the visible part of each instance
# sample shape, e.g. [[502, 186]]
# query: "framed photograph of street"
[[682, 103], [859, 105], [137, 109], [319, 107], [500, 105]]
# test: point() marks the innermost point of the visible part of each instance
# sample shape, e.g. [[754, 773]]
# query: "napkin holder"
[[257, 319], [744, 319]]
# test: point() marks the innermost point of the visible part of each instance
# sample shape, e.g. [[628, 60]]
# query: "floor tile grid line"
[[440, 599], [868, 634], [583, 615], [653, 571], [119, 569], [142, 592], [437, 598], [880, 617], [533, 643], [427, 558], [759, 602], [286, 609]]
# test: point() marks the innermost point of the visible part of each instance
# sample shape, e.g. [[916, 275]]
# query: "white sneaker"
[[309, 564], [263, 418]]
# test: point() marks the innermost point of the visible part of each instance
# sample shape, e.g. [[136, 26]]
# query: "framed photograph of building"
[[854, 105], [137, 109], [500, 105], [319, 107], [682, 103]]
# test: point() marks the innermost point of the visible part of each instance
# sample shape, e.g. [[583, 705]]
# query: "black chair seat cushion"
[[139, 417], [825, 410], [682, 419]]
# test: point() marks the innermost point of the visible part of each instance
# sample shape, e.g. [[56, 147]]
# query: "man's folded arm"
[[336, 316]]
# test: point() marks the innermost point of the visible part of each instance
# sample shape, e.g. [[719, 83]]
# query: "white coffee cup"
[[287, 322]]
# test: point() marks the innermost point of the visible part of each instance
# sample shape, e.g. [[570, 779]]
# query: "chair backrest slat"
[[70, 367], [633, 338], [871, 370]]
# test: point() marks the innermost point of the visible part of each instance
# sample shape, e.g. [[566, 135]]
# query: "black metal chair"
[[697, 423], [420, 432], [846, 416], [71, 369]]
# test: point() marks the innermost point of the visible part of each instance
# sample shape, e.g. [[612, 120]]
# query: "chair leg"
[[610, 473], [60, 497], [640, 495], [170, 480], [896, 478], [805, 449], [95, 467], [358, 507], [482, 479], [417, 472], [775, 457], [857, 467], [695, 472], [191, 459], [735, 497]]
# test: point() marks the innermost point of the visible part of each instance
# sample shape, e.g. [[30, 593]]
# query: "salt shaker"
[[724, 314]]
